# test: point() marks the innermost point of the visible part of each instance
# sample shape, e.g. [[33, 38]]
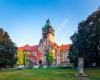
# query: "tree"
[[50, 58], [7, 50], [86, 41]]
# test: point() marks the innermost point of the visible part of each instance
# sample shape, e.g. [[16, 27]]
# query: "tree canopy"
[[86, 41], [7, 50], [50, 58]]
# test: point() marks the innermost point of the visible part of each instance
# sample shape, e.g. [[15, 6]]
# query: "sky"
[[24, 19]]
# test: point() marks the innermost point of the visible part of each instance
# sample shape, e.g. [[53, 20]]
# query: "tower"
[[47, 38], [48, 32]]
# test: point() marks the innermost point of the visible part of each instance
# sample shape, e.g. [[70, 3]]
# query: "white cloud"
[[62, 32], [64, 23]]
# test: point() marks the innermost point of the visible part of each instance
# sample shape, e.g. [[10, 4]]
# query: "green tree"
[[86, 41], [7, 50], [50, 58]]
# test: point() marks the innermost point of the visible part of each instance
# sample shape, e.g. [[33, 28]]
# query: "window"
[[34, 54]]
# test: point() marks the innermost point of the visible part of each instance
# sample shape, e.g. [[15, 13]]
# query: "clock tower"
[[48, 32]]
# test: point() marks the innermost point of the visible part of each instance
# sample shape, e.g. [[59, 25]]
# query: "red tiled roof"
[[31, 48], [64, 47], [20, 48]]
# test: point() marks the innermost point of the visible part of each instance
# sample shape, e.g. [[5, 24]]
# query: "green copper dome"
[[47, 24], [47, 28]]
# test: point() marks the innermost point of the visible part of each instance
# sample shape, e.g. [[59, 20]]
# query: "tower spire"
[[47, 24], [48, 21]]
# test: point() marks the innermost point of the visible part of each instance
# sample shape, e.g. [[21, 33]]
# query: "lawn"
[[47, 74]]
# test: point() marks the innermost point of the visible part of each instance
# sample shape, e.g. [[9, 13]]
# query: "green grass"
[[47, 74]]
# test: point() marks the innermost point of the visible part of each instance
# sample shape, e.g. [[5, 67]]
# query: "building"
[[29, 56], [47, 43], [37, 54], [64, 50]]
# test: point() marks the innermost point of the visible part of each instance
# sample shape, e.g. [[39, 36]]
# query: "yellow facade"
[[20, 57], [51, 37]]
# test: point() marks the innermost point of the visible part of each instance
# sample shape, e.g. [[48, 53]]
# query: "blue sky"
[[24, 19]]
